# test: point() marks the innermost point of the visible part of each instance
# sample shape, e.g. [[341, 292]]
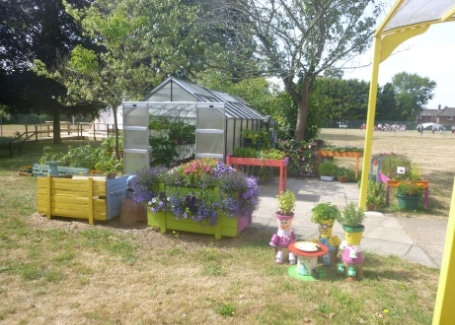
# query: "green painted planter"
[[226, 226], [408, 202]]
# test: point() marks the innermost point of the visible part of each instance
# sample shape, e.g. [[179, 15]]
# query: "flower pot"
[[408, 202], [353, 235], [343, 179], [327, 178]]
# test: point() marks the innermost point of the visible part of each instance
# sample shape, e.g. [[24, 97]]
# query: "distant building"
[[442, 116]]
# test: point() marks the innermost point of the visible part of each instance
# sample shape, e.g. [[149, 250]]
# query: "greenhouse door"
[[210, 130], [135, 137]]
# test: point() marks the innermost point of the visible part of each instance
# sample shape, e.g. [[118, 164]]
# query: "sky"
[[430, 55]]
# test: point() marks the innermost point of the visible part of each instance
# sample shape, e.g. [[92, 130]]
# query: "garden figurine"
[[324, 214], [352, 257], [282, 238], [285, 235], [332, 242]]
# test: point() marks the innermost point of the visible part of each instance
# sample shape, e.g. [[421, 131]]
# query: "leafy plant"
[[376, 194], [302, 157], [410, 188], [286, 203], [349, 174], [328, 168], [164, 150], [257, 138], [324, 211], [390, 162], [352, 216]]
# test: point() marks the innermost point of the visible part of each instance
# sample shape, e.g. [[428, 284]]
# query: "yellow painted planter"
[[82, 197], [353, 235]]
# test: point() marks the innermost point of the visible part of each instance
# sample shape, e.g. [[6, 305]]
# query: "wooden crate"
[[82, 197]]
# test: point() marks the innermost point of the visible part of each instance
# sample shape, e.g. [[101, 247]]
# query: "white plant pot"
[[327, 178]]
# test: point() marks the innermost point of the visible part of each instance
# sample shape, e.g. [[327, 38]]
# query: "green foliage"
[[346, 172], [390, 162], [376, 194], [352, 216], [260, 139], [158, 123], [248, 152], [101, 158], [286, 203], [345, 99], [302, 157], [410, 188], [328, 168], [164, 150], [412, 92], [324, 211], [225, 309]]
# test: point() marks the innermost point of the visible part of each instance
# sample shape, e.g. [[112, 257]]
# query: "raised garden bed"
[[81, 197]]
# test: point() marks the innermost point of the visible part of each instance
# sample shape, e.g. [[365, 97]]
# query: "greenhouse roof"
[[176, 90]]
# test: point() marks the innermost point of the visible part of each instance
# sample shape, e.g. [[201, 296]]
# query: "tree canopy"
[[298, 40]]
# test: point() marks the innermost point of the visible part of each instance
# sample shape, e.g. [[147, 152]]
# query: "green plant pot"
[[408, 202]]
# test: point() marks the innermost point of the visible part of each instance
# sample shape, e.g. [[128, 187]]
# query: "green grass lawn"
[[63, 271]]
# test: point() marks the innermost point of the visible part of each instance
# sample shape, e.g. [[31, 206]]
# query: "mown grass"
[[64, 271]]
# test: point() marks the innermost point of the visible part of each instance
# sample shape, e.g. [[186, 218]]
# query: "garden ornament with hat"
[[282, 238]]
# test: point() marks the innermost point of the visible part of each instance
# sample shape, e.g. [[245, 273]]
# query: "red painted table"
[[307, 259], [281, 164]]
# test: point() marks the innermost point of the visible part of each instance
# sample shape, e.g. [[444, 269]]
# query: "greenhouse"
[[218, 117]]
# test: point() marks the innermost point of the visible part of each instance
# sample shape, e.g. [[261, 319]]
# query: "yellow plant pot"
[[353, 235]]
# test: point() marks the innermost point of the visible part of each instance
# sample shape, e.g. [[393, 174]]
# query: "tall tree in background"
[[386, 107], [412, 92], [348, 98], [142, 43], [300, 39], [32, 29]]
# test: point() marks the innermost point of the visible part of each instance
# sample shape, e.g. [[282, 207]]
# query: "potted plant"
[[376, 195], [345, 174], [324, 214], [325, 211], [285, 235], [286, 203], [409, 194], [328, 170], [351, 218]]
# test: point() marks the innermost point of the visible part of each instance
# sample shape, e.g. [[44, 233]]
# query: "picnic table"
[[10, 143]]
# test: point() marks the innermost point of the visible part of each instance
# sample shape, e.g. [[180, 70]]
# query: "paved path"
[[415, 239]]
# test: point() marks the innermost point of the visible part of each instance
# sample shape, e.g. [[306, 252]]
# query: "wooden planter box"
[[281, 164], [82, 197], [226, 226]]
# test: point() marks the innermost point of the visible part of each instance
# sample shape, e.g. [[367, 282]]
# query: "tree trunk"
[[56, 125], [303, 107]]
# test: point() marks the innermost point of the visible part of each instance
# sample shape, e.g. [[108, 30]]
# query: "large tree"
[[297, 40], [139, 43], [412, 92], [29, 30]]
